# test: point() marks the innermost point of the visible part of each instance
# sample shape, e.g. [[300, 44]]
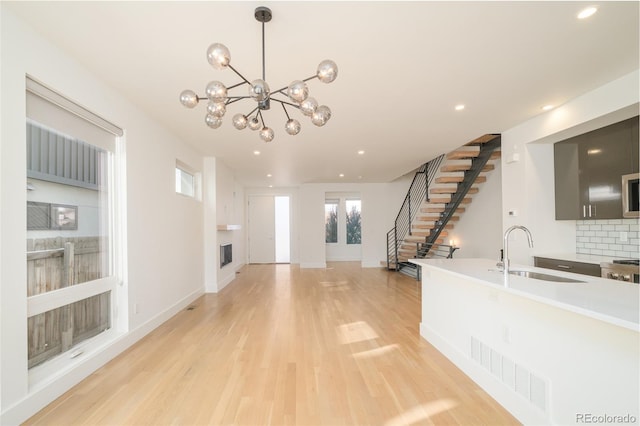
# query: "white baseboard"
[[45, 393]]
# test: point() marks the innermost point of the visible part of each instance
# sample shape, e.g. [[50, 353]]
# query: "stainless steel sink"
[[544, 277]]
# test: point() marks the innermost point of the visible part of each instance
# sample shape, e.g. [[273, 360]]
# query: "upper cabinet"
[[589, 169]]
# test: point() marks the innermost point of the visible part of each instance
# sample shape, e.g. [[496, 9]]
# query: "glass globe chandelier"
[[216, 93]]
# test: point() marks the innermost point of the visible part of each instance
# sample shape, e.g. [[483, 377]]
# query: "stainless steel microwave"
[[630, 195]]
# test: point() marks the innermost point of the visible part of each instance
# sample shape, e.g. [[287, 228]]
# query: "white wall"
[[478, 233], [527, 184], [229, 211], [380, 205], [165, 230]]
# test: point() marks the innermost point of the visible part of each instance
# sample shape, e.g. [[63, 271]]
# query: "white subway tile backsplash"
[[602, 237]]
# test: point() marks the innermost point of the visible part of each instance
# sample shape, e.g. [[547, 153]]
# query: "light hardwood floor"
[[285, 346]]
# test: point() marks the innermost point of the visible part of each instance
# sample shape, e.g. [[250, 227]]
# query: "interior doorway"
[[269, 229]]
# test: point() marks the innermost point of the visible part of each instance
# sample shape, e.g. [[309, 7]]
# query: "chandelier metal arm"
[[286, 87], [285, 102], [261, 119], [236, 85], [285, 111], [233, 99], [239, 75], [263, 67]]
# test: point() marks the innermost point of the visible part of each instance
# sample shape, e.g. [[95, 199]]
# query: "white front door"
[[262, 229]]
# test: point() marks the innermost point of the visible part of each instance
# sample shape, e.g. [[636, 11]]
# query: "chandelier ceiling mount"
[[297, 92]]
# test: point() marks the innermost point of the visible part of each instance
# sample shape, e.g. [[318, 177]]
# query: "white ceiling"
[[403, 66]]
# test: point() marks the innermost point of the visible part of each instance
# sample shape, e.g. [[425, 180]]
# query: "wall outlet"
[[135, 309]]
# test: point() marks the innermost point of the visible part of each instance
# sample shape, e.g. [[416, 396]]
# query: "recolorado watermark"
[[589, 418]]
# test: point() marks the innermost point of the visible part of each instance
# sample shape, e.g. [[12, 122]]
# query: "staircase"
[[436, 198]]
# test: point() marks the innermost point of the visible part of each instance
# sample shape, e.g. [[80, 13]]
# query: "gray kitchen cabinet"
[[567, 266], [588, 171]]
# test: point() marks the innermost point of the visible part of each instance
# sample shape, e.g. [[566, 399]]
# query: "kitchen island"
[[549, 352]]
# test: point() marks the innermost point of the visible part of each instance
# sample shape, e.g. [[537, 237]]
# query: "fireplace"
[[226, 254]]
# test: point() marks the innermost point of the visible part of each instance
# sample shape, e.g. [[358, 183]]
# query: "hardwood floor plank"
[[285, 346]]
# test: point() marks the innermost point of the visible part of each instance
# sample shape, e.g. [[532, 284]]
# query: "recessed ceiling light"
[[547, 107], [256, 152], [270, 186], [585, 13], [361, 152], [459, 107], [269, 175], [341, 175]]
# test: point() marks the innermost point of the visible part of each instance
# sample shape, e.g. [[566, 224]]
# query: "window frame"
[[185, 169], [114, 200]]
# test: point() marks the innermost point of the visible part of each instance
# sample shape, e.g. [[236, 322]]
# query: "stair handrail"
[[418, 190]]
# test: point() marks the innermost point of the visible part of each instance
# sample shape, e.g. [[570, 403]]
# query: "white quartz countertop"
[[611, 301], [584, 258]]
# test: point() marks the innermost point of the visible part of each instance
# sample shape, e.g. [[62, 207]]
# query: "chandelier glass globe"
[[327, 71], [218, 56], [266, 134], [188, 98], [292, 127], [321, 116], [216, 91], [217, 109], [308, 106], [240, 121], [298, 91], [212, 121], [259, 90], [254, 123]]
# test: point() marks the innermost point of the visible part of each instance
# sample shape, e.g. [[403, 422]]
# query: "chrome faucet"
[[506, 245]]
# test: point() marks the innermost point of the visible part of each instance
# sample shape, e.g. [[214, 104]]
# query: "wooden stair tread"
[[483, 139], [428, 219]]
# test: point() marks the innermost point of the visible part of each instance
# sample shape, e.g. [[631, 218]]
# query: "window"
[[185, 181], [72, 222], [354, 227], [331, 221]]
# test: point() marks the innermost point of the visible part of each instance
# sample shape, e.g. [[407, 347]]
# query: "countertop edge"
[[620, 322]]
